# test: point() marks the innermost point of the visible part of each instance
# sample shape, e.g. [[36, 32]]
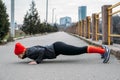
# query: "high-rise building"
[[65, 21], [82, 10]]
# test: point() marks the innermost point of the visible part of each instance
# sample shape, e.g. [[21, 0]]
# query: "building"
[[82, 10], [65, 21], [18, 26]]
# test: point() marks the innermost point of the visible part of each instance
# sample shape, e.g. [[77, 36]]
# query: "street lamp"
[[46, 11], [53, 15], [12, 25], [55, 19]]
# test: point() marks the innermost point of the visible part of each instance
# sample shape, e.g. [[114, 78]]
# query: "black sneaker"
[[106, 54]]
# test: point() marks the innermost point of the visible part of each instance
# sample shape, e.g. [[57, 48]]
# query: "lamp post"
[[53, 15], [46, 11], [55, 19], [12, 25]]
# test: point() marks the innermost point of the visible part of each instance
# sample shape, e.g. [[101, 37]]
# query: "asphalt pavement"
[[80, 67]]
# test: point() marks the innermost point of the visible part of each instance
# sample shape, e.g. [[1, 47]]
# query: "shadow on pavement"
[[49, 62], [60, 61], [22, 62]]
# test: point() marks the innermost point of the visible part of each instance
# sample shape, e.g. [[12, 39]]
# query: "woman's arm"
[[40, 55], [39, 58], [35, 53]]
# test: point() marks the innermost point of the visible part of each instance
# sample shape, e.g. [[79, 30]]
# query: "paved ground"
[[81, 67]]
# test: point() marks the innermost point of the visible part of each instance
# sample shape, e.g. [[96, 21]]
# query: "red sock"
[[94, 49]]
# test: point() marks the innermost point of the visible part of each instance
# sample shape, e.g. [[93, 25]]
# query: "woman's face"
[[20, 55]]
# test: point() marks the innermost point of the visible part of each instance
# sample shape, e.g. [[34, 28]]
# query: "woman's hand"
[[32, 62]]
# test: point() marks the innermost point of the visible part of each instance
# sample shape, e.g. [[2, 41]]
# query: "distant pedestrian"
[[38, 53]]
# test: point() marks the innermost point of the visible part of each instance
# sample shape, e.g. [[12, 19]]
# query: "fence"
[[109, 21], [89, 27]]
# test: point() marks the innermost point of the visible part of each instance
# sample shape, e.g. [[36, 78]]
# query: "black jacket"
[[38, 53]]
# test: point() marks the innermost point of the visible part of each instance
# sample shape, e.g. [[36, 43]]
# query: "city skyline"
[[62, 8]]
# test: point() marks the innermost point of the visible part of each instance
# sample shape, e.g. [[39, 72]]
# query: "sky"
[[61, 8]]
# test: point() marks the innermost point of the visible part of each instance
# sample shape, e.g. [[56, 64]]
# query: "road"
[[80, 67]]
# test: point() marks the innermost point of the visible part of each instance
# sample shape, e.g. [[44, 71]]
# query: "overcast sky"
[[62, 8]]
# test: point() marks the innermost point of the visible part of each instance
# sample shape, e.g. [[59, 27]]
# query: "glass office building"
[[65, 21], [82, 10]]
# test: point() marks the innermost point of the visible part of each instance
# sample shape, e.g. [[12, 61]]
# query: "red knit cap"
[[19, 48]]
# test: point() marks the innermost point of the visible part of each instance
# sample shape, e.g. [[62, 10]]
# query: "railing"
[[83, 27], [109, 21], [97, 25]]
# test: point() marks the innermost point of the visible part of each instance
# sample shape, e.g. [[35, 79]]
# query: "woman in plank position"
[[38, 53]]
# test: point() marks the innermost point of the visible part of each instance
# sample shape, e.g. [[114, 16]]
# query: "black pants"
[[65, 49]]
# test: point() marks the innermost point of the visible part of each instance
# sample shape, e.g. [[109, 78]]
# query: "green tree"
[[25, 24], [4, 21], [31, 24]]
